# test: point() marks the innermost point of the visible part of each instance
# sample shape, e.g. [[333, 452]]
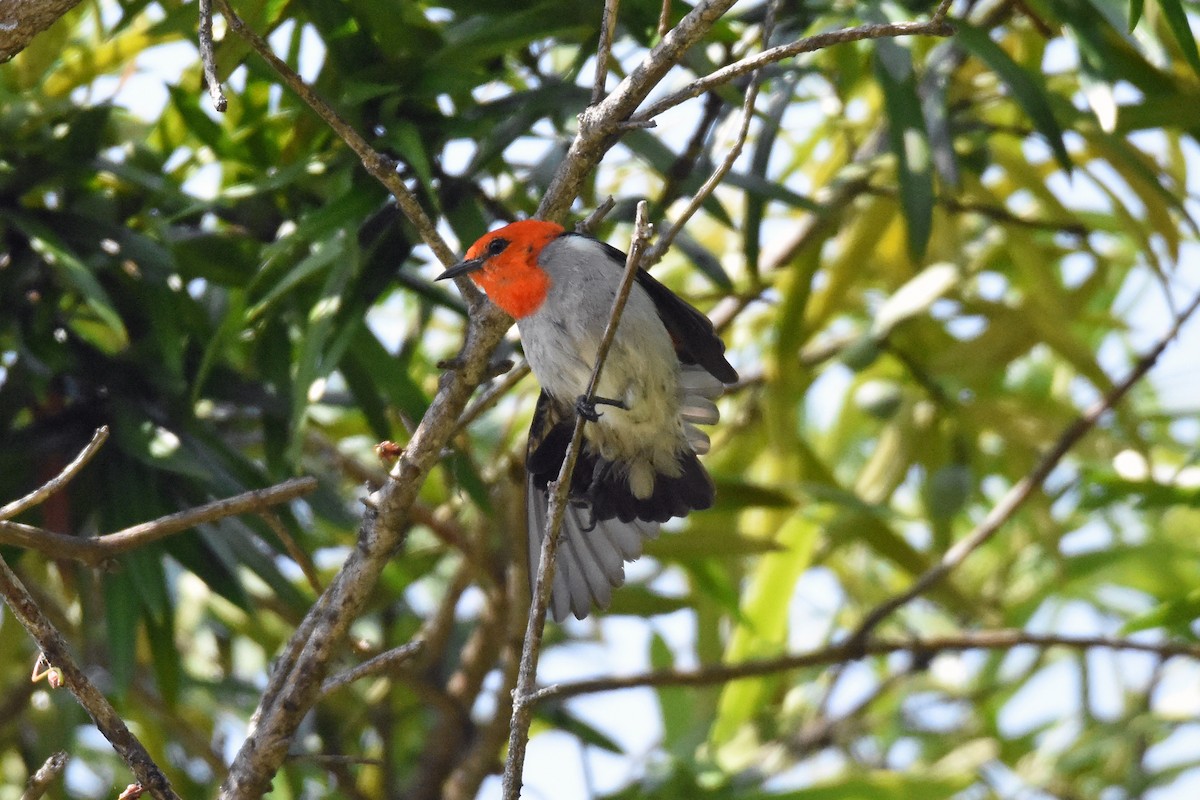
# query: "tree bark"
[[21, 20]]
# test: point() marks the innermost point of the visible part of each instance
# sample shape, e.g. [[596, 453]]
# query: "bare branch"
[[934, 27], [608, 24], [335, 759], [939, 13], [95, 551], [455, 731], [379, 167], [298, 556], [848, 652], [1003, 511], [655, 253], [594, 219], [664, 18], [21, 20], [373, 666], [110, 724], [39, 782], [599, 124], [522, 714], [493, 395], [207, 60], [39, 495]]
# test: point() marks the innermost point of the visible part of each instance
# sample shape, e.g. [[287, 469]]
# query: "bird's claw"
[[586, 407]]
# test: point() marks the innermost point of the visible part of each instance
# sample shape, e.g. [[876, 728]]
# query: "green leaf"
[[122, 612], [1135, 13], [562, 719], [232, 324], [676, 706], [638, 601], [1177, 21], [55, 252], [167, 657], [909, 141], [765, 630], [915, 297], [708, 264], [370, 358], [736, 495], [1175, 616], [1028, 90]]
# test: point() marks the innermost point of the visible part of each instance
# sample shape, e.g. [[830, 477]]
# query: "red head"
[[504, 263]]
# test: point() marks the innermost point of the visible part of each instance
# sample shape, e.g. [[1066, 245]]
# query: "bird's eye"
[[496, 246]]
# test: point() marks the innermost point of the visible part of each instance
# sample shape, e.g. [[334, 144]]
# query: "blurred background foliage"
[[930, 257]]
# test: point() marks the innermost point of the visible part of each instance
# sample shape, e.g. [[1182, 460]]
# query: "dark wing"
[[592, 548], [692, 332]]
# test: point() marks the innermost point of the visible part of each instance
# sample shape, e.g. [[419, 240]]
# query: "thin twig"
[[599, 125], [655, 253], [107, 720], [848, 652], [594, 219], [373, 666], [522, 714], [94, 551], [207, 59], [292, 548], [608, 24], [1003, 511], [335, 759], [39, 782], [39, 495], [455, 730], [808, 44], [664, 18], [381, 168], [493, 395]]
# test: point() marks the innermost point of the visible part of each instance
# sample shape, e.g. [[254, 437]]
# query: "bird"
[[638, 465]]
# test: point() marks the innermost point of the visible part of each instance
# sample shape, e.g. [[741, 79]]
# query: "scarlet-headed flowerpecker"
[[638, 465]]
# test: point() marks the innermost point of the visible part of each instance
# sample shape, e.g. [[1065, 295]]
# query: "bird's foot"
[[586, 408]]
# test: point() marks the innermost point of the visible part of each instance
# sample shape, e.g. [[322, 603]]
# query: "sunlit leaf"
[[1027, 90]]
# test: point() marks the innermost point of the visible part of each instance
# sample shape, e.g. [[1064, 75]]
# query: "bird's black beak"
[[461, 268]]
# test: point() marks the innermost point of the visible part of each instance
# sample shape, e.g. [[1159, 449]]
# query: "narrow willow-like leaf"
[[1027, 89]]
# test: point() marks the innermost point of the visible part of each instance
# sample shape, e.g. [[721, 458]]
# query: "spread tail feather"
[[591, 554]]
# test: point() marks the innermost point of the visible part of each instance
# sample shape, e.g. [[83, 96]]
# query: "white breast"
[[642, 370]]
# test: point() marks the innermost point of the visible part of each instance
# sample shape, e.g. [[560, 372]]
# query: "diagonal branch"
[[934, 27], [1004, 510], [107, 720], [39, 782], [94, 551], [655, 253], [379, 167], [847, 652], [383, 662], [39, 495], [600, 125], [522, 715], [608, 24]]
